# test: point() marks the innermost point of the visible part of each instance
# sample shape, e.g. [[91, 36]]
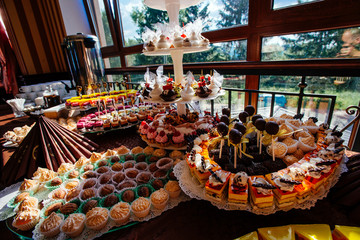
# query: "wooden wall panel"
[[36, 30]]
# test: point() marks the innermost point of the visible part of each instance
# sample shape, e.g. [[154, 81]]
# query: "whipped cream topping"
[[240, 179], [296, 173], [201, 164], [284, 186], [326, 154], [197, 141], [312, 170], [261, 186], [315, 161], [214, 181], [197, 149]]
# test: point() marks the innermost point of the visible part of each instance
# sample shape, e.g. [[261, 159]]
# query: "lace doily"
[[91, 234], [193, 189]]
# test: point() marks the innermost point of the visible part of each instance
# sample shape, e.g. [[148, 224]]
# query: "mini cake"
[[202, 167], [159, 199], [95, 157], [73, 224], [178, 139], [148, 150], [173, 188], [141, 207], [151, 135], [26, 220], [261, 192], [28, 185], [159, 153], [50, 227], [176, 155], [97, 218], [215, 186], [162, 139], [238, 188], [120, 213], [123, 150], [21, 197], [137, 150]]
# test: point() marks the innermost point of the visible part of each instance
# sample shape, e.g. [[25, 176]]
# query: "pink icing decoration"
[[161, 139], [178, 139]]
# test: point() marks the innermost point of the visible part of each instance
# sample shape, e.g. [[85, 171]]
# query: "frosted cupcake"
[[26, 220], [162, 139], [120, 212], [178, 139], [292, 144], [151, 135], [307, 144], [159, 199], [50, 227], [141, 207], [97, 218], [73, 224], [173, 188]]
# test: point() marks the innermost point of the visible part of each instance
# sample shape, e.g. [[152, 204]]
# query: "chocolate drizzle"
[[215, 176], [326, 163], [289, 181]]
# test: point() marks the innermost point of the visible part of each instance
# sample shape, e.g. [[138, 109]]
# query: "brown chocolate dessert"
[[106, 190], [110, 200], [157, 184], [119, 177], [68, 208], [90, 205], [117, 167], [53, 208], [89, 183], [143, 191], [128, 196], [56, 182]]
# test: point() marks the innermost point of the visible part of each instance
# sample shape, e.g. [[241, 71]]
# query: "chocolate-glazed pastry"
[[153, 167], [90, 205], [111, 200], [157, 184], [250, 110], [143, 178], [115, 159], [235, 136], [128, 165], [126, 184], [87, 175], [106, 190], [56, 182], [117, 167], [102, 163], [102, 170], [53, 208], [68, 208], [153, 159], [88, 193], [73, 174], [129, 157], [132, 173], [272, 128], [119, 177], [225, 119], [222, 128], [260, 124], [143, 191], [128, 196], [141, 158], [88, 167], [89, 183], [141, 166], [243, 116], [105, 178], [73, 193], [160, 173], [240, 127]]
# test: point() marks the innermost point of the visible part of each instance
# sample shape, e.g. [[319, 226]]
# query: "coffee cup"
[[35, 88], [32, 95], [39, 101], [25, 89], [21, 95]]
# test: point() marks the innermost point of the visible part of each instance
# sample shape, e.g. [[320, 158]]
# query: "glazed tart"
[[313, 231], [278, 233], [238, 188], [261, 192], [345, 233], [215, 186], [249, 236]]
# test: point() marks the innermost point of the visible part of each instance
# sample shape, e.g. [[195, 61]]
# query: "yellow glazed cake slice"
[[277, 233], [312, 231], [238, 188], [215, 186], [249, 236], [261, 192], [345, 233]]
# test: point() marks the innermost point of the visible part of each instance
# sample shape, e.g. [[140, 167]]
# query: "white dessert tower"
[[173, 7]]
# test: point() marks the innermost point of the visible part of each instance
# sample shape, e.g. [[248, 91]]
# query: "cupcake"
[[73, 224], [151, 135], [148, 150], [280, 149], [162, 139], [159, 153], [144, 128], [178, 139], [97, 218], [173, 188], [28, 185], [291, 143], [137, 150], [176, 155], [29, 202], [95, 157], [120, 213], [141, 207], [21, 197], [26, 220], [122, 150], [81, 162], [307, 144], [159, 199]]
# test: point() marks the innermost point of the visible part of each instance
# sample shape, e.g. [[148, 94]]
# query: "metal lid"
[[89, 40]]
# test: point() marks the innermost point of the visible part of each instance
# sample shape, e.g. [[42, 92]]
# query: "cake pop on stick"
[[253, 119], [226, 111], [235, 138], [260, 126], [225, 119], [243, 116], [242, 129], [223, 130], [250, 110], [272, 128]]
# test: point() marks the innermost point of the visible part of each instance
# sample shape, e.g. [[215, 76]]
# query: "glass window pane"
[[217, 14], [290, 3], [139, 59], [338, 43], [279, 83], [101, 23]]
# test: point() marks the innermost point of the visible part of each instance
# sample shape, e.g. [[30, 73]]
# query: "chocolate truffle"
[[117, 167], [226, 111], [143, 178], [260, 124], [255, 117], [132, 173], [115, 159], [53, 208], [235, 136], [243, 116], [250, 110], [102, 163], [90, 205], [141, 158], [143, 191], [68, 208], [119, 177], [128, 196], [225, 119], [106, 190], [141, 166], [222, 128], [73, 193], [89, 183], [88, 193], [153, 167], [153, 159], [127, 184], [272, 128], [240, 127], [128, 165], [87, 175], [102, 169], [56, 182], [111, 200], [105, 178], [129, 157], [157, 184]]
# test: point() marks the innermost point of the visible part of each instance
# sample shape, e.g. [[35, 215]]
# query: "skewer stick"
[[257, 138], [235, 157], [273, 147], [221, 146], [261, 137], [240, 150]]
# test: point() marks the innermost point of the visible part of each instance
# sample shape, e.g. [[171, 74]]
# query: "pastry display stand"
[[194, 189]]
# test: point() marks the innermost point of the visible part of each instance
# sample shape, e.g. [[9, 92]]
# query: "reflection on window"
[[338, 43], [290, 3], [217, 14], [279, 83], [141, 60], [101, 22], [114, 62]]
